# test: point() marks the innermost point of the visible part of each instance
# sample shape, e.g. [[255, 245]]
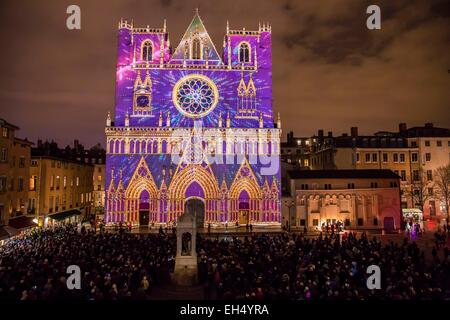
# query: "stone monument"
[[185, 272]]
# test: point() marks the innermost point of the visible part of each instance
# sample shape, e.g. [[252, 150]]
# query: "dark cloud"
[[329, 71]]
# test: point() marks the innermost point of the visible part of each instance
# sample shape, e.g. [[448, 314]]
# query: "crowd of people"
[[113, 265], [329, 267], [121, 265]]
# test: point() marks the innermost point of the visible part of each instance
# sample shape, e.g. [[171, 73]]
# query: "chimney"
[[402, 127], [354, 131], [428, 125]]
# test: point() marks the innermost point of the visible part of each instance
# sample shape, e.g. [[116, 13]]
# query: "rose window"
[[195, 95]]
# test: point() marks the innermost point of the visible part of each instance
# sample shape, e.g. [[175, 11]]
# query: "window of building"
[[347, 222], [302, 222], [3, 184], [360, 221], [350, 186], [20, 184], [427, 156], [402, 157], [33, 183], [244, 53], [357, 157], [374, 157], [430, 191], [414, 157], [374, 184], [439, 143], [427, 143], [4, 155], [99, 178], [414, 144], [375, 221], [415, 175], [5, 132], [78, 181], [327, 186], [196, 49], [22, 162], [448, 142], [385, 157], [403, 175], [65, 182], [429, 175], [58, 182], [34, 163], [315, 222], [395, 157], [147, 51], [52, 182], [367, 157], [50, 204]]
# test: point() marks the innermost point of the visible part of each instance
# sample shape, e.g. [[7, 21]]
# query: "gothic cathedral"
[[193, 125]]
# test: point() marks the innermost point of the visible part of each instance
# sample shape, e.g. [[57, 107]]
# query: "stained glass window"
[[195, 95]]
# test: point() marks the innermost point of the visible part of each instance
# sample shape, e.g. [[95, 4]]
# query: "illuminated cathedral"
[[191, 124]]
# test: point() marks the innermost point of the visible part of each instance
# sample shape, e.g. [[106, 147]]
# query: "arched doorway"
[[144, 208], [244, 208], [196, 207]]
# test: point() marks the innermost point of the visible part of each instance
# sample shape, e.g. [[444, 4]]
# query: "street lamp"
[[290, 205]]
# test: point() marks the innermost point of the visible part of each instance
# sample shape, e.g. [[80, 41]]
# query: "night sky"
[[329, 71]]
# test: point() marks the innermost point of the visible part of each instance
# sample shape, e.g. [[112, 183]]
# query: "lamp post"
[[290, 204]]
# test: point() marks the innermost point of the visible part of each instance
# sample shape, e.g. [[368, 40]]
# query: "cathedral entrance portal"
[[144, 208], [244, 208], [196, 208]]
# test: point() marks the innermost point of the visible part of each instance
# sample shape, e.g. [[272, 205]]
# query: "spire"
[[228, 27], [228, 119], [160, 119], [279, 121], [220, 119], [127, 120], [261, 121], [168, 119], [164, 26], [108, 119]]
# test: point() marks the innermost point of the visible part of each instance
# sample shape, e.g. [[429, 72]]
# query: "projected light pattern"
[[195, 95], [159, 93]]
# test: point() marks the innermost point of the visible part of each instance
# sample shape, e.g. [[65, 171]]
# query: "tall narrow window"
[[147, 51], [244, 53], [196, 49]]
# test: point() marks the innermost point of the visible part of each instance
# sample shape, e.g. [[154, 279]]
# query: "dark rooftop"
[[343, 174]]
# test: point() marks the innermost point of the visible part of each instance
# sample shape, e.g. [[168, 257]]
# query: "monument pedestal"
[[185, 273]]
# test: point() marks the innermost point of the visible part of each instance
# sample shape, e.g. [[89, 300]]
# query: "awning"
[[7, 232], [65, 214], [412, 212], [22, 222]]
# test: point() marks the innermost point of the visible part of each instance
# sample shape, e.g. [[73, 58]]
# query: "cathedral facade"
[[191, 124]]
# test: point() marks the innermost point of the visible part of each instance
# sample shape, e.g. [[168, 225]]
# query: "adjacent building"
[[14, 176], [412, 153], [61, 186], [363, 199]]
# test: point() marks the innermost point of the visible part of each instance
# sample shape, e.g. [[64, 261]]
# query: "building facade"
[[60, 188], [14, 173], [412, 153], [359, 199], [193, 124]]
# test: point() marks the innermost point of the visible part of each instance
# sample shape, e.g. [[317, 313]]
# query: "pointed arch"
[[244, 52], [142, 179], [147, 50]]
